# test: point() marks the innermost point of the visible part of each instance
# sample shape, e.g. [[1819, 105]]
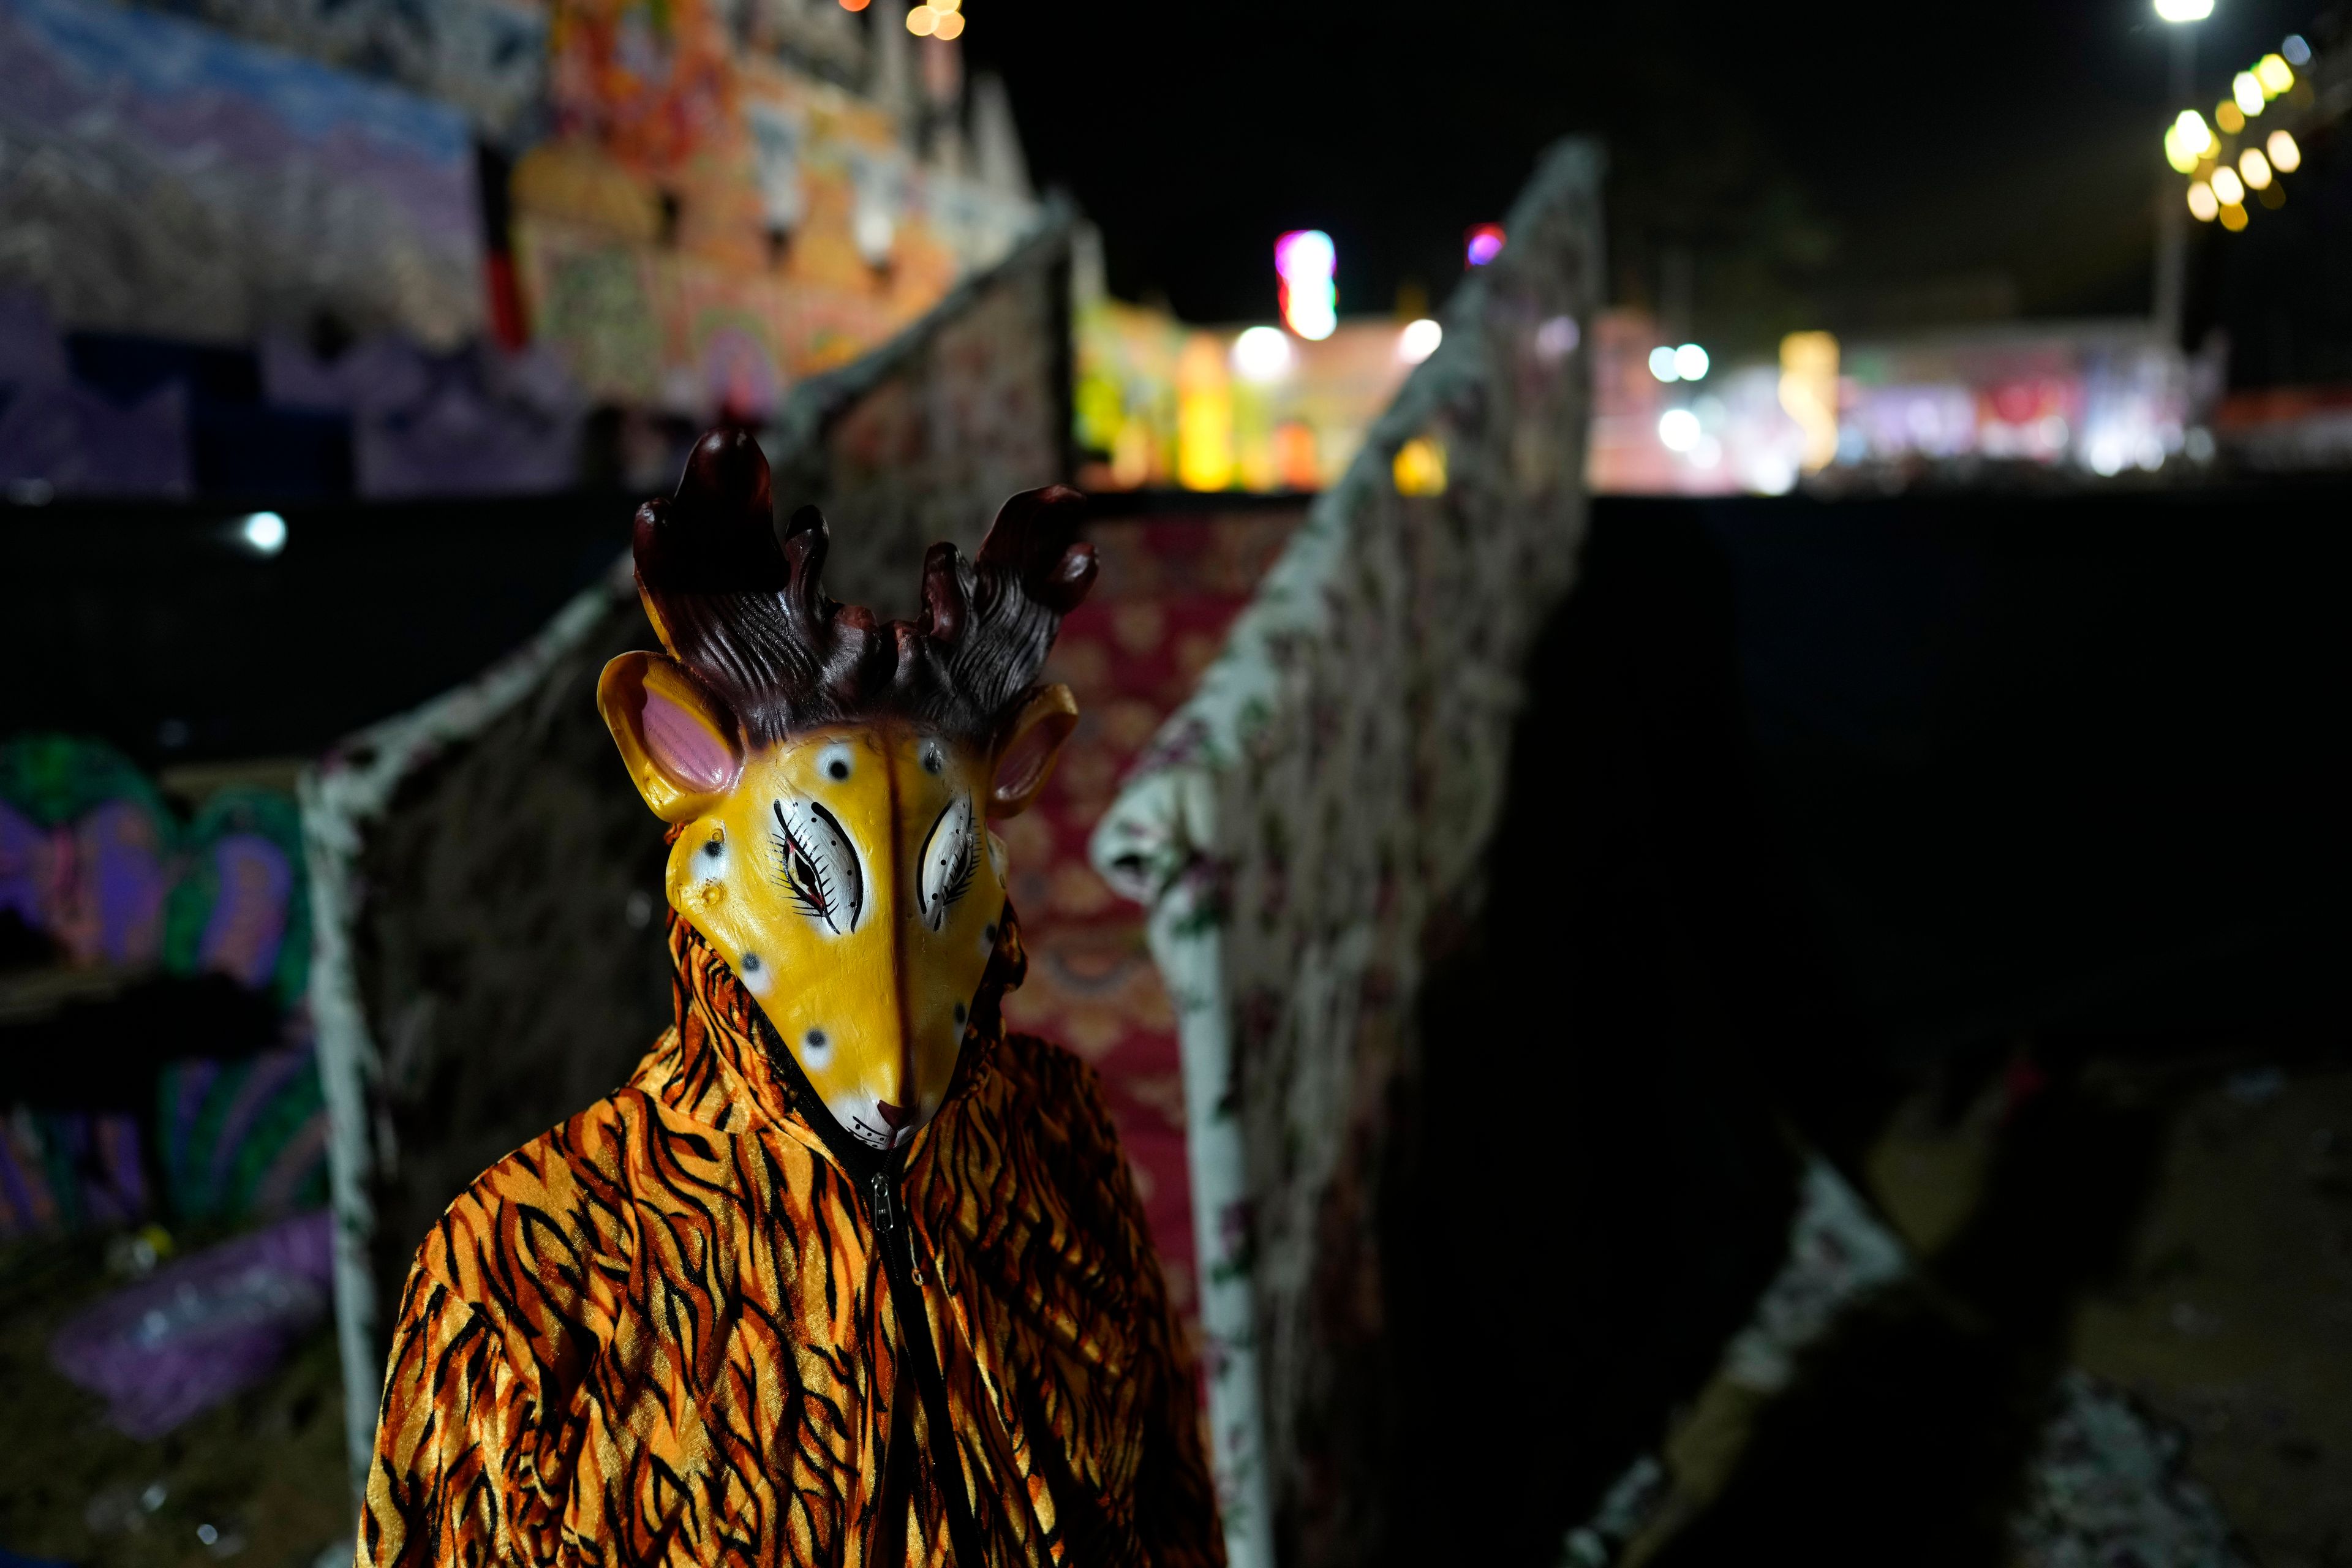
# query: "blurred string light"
[[940, 19], [2184, 10], [1419, 340], [2187, 140], [2221, 174], [854, 5], [1482, 244], [1306, 261], [1661, 364], [1262, 355]]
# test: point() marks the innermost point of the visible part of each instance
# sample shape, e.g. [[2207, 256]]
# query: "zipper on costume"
[[897, 1242]]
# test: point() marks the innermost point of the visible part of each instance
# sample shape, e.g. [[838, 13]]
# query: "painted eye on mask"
[[818, 867], [951, 858]]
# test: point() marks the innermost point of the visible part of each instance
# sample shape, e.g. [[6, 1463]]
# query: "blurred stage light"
[[921, 20], [1690, 363], [263, 532], [855, 4], [1305, 259], [1557, 338], [2228, 117], [2184, 10], [1661, 363], [950, 27], [2285, 156], [1261, 355], [2228, 186], [2233, 216], [2273, 73], [1418, 340], [1483, 243], [2203, 202], [2296, 51], [2253, 168], [1678, 430], [2248, 91]]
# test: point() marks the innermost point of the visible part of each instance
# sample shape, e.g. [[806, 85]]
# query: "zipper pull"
[[886, 1222]]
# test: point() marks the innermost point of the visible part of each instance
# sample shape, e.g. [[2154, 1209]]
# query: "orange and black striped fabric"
[[661, 1334]]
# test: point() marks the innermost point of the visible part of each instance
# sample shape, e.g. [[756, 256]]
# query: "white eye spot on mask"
[[757, 978], [835, 762], [817, 865], [944, 870], [710, 860], [816, 1048]]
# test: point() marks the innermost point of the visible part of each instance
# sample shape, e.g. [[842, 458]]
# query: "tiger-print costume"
[[662, 1333]]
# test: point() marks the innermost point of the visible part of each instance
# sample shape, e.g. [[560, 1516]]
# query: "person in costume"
[[846, 1274]]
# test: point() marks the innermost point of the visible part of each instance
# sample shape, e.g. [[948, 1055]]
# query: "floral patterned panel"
[[1303, 825], [1132, 652]]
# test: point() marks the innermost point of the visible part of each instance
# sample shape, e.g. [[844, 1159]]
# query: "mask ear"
[[678, 743], [1026, 757]]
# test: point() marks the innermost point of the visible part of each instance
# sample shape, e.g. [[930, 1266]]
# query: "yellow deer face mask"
[[833, 779]]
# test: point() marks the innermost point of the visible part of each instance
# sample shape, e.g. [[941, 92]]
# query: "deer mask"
[[831, 778]]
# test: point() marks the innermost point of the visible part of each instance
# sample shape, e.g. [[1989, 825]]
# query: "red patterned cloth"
[[1132, 652]]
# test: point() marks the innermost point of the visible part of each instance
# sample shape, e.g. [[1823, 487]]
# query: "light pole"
[[2171, 231]]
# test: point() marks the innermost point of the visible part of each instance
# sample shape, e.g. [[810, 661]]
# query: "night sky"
[[1808, 158]]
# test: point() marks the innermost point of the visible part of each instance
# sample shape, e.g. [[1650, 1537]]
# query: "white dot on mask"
[[757, 976], [834, 762], [816, 1050]]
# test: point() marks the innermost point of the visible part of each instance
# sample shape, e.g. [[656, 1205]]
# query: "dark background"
[[1849, 163]]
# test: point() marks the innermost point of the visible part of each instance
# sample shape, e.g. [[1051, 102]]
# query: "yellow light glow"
[[2203, 202], [2181, 158], [2233, 217], [1808, 393], [2254, 169], [2194, 135], [2228, 186], [2228, 117], [2285, 156], [1204, 416], [921, 20], [2248, 91], [949, 26], [2275, 74], [1420, 468], [944, 6]]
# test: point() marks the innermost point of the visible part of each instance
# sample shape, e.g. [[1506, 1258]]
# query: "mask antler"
[[749, 616]]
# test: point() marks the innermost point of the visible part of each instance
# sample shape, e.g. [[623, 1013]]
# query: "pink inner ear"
[[683, 746]]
